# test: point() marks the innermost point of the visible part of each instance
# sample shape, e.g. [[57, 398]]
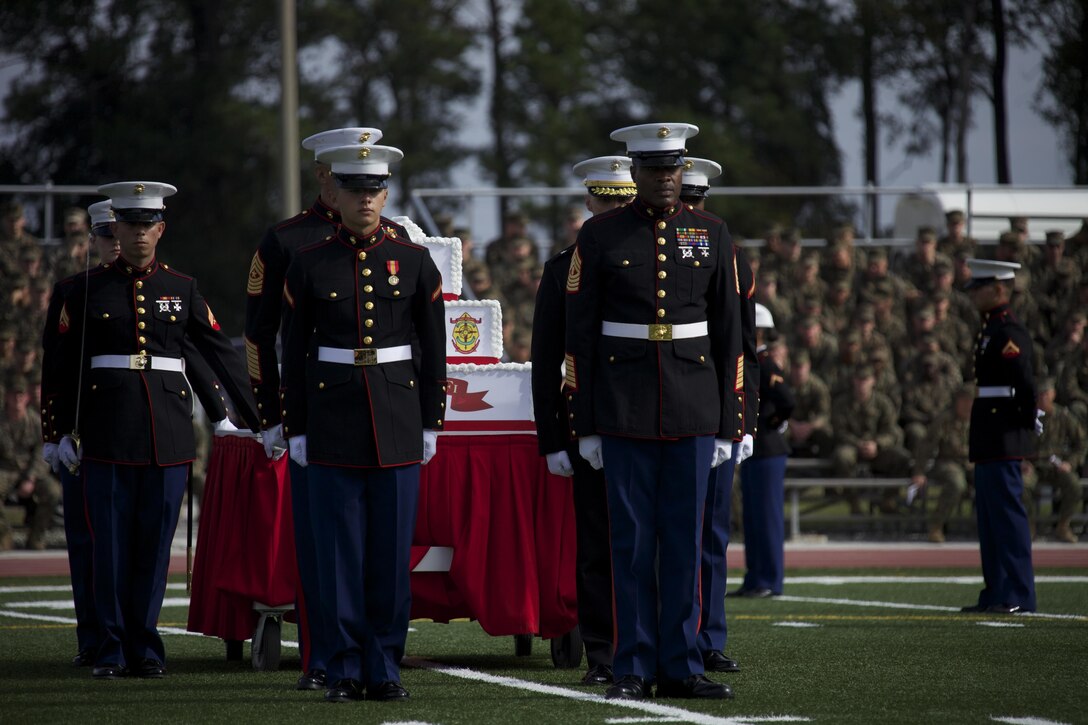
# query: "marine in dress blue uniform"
[[713, 632], [1003, 431], [120, 382], [363, 415], [654, 368], [266, 317], [608, 185], [77, 533], [763, 476]]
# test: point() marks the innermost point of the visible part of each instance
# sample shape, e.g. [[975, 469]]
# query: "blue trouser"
[[719, 499], [656, 495], [313, 635], [77, 535], [133, 512], [363, 522], [1004, 537], [763, 491]]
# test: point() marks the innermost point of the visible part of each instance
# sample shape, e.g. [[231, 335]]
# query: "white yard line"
[[917, 607], [1025, 720]]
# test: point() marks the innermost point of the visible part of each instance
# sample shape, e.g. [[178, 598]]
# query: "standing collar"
[[325, 211], [128, 269], [355, 240], [646, 211]]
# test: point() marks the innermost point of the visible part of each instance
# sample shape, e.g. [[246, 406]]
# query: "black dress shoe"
[[696, 686], [629, 687], [598, 675], [108, 672], [717, 661], [1003, 608], [973, 609], [150, 669], [85, 658], [388, 691], [751, 593], [312, 680], [345, 691]]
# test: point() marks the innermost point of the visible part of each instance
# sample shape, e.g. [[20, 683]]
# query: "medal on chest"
[[393, 266], [692, 241], [169, 304]]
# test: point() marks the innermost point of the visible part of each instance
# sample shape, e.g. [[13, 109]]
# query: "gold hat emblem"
[[616, 166], [364, 152], [664, 132], [364, 137], [689, 165], [138, 189]]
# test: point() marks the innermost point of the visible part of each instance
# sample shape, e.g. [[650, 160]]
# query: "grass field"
[[842, 647]]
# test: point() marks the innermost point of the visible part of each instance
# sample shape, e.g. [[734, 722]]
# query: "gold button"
[[320, 386], [661, 225], [626, 263], [671, 209], [284, 413], [442, 405], [661, 313], [993, 410], [182, 393], [662, 274], [260, 406], [173, 319], [573, 432], [411, 383], [697, 263], [352, 239], [369, 305], [367, 340], [264, 421], [362, 256], [128, 269], [93, 387], [740, 415], [368, 288], [142, 325], [661, 241], [396, 293], [368, 322], [366, 271], [570, 397], [139, 298], [105, 315], [440, 421], [141, 310], [254, 391], [661, 258], [142, 339], [285, 427], [332, 294], [611, 358], [139, 284], [702, 359], [661, 293]]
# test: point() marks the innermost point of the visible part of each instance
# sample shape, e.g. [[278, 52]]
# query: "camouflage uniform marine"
[[1025, 308], [1054, 283], [946, 445], [918, 267], [866, 431], [925, 400], [1073, 383], [822, 347], [838, 306], [876, 279], [810, 424], [953, 334], [1065, 346], [768, 296], [21, 462], [805, 282], [840, 377], [1062, 448], [887, 382], [888, 316], [955, 241]]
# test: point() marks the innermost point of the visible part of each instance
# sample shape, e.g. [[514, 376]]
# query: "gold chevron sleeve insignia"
[[255, 285], [738, 385], [287, 296], [570, 379], [437, 292], [574, 276], [1010, 350], [253, 361], [65, 321], [736, 277]]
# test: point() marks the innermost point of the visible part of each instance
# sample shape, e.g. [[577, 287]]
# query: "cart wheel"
[[234, 650], [523, 645], [567, 650], [266, 644]]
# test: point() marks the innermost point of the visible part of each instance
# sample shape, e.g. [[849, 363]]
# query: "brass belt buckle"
[[139, 362], [366, 356], [661, 333]]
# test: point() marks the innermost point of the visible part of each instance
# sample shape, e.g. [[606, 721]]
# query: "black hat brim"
[[138, 215], [360, 182]]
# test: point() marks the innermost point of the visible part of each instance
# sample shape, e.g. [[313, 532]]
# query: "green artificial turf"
[[847, 663]]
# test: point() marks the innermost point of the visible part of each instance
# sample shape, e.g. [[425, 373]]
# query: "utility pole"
[[290, 188]]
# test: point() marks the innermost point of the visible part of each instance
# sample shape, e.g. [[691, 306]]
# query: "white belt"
[[995, 391], [364, 356], [657, 333], [139, 362]]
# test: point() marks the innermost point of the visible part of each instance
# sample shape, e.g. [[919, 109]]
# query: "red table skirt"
[[245, 549], [491, 498], [511, 526]]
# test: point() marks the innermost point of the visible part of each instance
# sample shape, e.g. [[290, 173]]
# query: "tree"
[[1064, 86]]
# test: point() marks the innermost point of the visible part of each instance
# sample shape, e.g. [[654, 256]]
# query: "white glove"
[[51, 455], [297, 445], [745, 448], [589, 448], [430, 445], [272, 439], [1039, 422], [723, 451], [68, 454], [559, 464], [224, 427]]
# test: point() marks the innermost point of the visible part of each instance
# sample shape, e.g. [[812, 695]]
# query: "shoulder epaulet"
[[596, 218], [302, 215], [177, 273], [315, 245], [706, 215]]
